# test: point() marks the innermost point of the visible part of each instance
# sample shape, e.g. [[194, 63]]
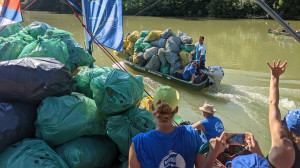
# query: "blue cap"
[[292, 120], [251, 160]]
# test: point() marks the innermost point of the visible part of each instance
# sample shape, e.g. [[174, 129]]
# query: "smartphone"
[[235, 139]]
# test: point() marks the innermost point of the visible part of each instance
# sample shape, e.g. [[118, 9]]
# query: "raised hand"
[[218, 144], [277, 69], [253, 144]]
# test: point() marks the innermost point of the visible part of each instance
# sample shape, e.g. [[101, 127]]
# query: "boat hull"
[[170, 78]]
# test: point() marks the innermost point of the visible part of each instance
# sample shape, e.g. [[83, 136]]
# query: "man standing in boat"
[[200, 51]]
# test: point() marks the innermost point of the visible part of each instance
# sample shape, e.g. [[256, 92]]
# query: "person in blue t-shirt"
[[188, 73], [200, 51], [170, 146], [211, 126]]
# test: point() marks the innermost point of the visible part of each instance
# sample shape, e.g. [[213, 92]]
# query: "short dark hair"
[[202, 37]]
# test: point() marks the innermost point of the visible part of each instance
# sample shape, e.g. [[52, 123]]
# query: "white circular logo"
[[219, 127], [173, 159]]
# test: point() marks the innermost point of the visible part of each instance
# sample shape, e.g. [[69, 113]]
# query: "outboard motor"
[[215, 75]]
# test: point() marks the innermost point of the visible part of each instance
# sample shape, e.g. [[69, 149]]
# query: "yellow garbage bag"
[[184, 58], [133, 37], [154, 35], [146, 104], [122, 55], [125, 44], [130, 48]]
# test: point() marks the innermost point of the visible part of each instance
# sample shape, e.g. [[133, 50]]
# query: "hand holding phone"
[[236, 139]]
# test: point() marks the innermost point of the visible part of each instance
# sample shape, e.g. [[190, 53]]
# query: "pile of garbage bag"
[[62, 110], [161, 51]]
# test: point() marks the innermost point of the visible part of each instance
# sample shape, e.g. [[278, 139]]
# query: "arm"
[[132, 160], [189, 44], [216, 146], [274, 112], [190, 57], [192, 78], [198, 125]]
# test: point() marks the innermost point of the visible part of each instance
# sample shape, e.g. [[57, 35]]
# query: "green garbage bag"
[[31, 153], [187, 48], [122, 128], [10, 50], [137, 45], [10, 30], [145, 46], [53, 48], [36, 29], [144, 33], [165, 69], [78, 56], [117, 92], [23, 37], [88, 152], [65, 118], [84, 77]]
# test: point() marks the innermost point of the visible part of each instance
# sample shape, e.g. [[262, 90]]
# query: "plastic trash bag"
[[167, 33], [118, 92], [10, 50], [171, 57], [177, 66], [33, 79], [16, 123], [150, 52], [153, 35], [153, 64], [184, 58], [122, 55], [130, 48], [188, 49], [22, 36], [160, 43], [172, 46], [61, 119], [53, 48], [137, 45], [88, 152], [31, 153], [185, 39], [141, 60], [36, 29], [10, 30], [122, 128], [84, 77], [146, 46], [165, 69], [144, 33], [161, 56], [175, 39]]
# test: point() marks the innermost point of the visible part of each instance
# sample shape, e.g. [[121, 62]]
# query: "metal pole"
[[278, 19]]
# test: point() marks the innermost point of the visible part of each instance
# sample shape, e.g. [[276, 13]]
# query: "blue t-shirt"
[[188, 71], [177, 149], [213, 127], [200, 50]]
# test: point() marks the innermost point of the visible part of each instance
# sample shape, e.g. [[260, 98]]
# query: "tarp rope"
[[111, 57]]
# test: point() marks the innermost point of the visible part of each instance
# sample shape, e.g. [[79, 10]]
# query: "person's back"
[[177, 149], [213, 127]]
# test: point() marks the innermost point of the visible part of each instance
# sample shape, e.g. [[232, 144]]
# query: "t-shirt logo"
[[173, 159], [219, 127]]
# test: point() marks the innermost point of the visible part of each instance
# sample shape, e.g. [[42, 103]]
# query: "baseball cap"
[[167, 94], [251, 160], [292, 120]]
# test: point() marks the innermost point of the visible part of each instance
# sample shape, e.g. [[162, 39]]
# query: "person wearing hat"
[[188, 73], [168, 145], [285, 134], [211, 126]]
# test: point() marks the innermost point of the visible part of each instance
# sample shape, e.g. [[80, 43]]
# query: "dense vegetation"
[[288, 9]]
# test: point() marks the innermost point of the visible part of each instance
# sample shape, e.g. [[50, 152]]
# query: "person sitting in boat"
[[211, 126], [169, 145], [188, 73], [200, 51], [285, 134]]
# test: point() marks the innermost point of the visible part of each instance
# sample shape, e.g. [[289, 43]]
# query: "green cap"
[[167, 94]]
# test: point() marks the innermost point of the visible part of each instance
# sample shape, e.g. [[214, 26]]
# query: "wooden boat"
[[214, 75], [276, 32]]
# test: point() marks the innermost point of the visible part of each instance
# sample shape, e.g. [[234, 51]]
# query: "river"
[[240, 46]]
